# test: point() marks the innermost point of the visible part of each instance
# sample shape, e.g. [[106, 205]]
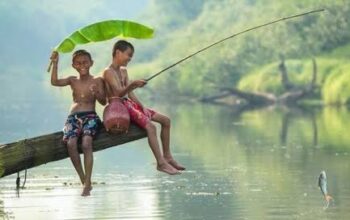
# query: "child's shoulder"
[[97, 78], [107, 70], [72, 78]]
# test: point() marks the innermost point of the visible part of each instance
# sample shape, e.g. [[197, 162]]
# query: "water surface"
[[258, 164]]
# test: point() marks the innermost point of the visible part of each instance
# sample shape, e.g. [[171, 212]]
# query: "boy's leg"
[[138, 116], [162, 164], [165, 138], [88, 163], [72, 147]]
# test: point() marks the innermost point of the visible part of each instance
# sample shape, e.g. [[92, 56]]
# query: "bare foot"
[[175, 164], [86, 191], [328, 198], [167, 168]]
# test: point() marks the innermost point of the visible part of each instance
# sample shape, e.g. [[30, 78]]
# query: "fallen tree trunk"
[[258, 99], [214, 97], [32, 152], [291, 96]]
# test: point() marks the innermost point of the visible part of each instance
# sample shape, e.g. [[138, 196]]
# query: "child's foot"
[[86, 191], [175, 164], [328, 198], [167, 168]]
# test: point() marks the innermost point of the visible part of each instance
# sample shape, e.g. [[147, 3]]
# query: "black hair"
[[81, 53], [122, 45]]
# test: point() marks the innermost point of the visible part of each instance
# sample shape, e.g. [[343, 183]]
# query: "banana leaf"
[[104, 30], [101, 31]]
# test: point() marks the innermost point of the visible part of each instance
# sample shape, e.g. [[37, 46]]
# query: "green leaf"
[[104, 30]]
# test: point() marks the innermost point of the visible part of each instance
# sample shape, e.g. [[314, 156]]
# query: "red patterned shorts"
[[138, 115]]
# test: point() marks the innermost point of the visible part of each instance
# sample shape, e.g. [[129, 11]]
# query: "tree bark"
[[287, 85], [253, 98], [292, 97], [215, 97], [28, 153]]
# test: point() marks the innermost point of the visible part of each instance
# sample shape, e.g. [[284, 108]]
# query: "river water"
[[254, 164]]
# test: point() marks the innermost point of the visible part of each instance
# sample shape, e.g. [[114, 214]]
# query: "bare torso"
[[83, 97], [120, 82]]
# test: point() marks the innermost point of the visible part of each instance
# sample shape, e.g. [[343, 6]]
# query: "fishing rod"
[[232, 36]]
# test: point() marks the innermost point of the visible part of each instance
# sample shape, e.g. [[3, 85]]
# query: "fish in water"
[[322, 183]]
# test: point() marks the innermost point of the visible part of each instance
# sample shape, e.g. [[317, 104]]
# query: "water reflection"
[[274, 155], [293, 114], [2, 213], [252, 164]]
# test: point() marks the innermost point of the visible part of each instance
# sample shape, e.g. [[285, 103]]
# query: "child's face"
[[123, 58], [82, 64]]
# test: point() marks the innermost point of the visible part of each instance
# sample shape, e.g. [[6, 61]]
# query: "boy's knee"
[[86, 147], [150, 127], [86, 144], [167, 122], [72, 143]]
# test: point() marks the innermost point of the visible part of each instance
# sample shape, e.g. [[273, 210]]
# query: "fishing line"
[[232, 36]]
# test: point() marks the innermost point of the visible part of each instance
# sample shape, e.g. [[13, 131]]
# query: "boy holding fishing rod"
[[82, 122], [118, 86]]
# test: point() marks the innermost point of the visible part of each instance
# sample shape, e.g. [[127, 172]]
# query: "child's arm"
[[108, 76], [131, 94], [54, 78], [98, 90]]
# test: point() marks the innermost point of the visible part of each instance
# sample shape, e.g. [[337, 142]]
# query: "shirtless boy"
[[118, 86], [82, 122]]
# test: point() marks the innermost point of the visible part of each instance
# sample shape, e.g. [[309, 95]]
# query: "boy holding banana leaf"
[[118, 86], [82, 121]]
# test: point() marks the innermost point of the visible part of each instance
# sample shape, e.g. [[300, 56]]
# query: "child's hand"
[[139, 83], [54, 57], [93, 88]]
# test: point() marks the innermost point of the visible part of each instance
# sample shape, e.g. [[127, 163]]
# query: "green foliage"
[[265, 80], [224, 65], [339, 53], [336, 89], [333, 123], [333, 78], [102, 31], [2, 169], [170, 15]]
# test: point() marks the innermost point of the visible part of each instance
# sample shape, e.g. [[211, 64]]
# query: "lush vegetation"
[[333, 79], [248, 61]]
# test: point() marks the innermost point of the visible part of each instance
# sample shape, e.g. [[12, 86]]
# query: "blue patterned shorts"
[[81, 123]]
